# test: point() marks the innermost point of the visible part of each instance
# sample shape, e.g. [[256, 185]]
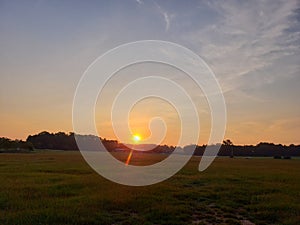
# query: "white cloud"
[[167, 17], [249, 36], [139, 1]]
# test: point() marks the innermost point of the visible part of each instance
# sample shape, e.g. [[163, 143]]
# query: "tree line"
[[8, 145], [63, 141], [66, 141]]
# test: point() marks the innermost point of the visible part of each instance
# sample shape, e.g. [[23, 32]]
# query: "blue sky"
[[252, 47]]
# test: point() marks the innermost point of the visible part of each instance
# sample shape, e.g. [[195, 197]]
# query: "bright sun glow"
[[136, 138]]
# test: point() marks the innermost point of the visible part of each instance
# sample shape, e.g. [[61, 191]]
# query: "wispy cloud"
[[167, 17], [139, 1], [248, 37]]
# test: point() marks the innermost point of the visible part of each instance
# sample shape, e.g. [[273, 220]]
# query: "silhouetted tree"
[[228, 143], [7, 144]]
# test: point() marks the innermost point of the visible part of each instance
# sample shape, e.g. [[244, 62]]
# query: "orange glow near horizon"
[[250, 129], [143, 129]]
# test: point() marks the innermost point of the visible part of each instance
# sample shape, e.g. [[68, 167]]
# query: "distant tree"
[[14, 145], [229, 144], [59, 140]]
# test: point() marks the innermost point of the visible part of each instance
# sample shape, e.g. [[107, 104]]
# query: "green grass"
[[60, 188]]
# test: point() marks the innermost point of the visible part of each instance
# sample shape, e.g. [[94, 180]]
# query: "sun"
[[136, 138]]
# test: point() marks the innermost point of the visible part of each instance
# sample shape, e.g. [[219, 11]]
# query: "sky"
[[251, 46]]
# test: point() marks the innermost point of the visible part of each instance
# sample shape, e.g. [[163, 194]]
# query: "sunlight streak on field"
[[128, 158]]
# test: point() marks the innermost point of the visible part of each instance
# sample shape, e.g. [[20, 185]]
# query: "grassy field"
[[60, 188]]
